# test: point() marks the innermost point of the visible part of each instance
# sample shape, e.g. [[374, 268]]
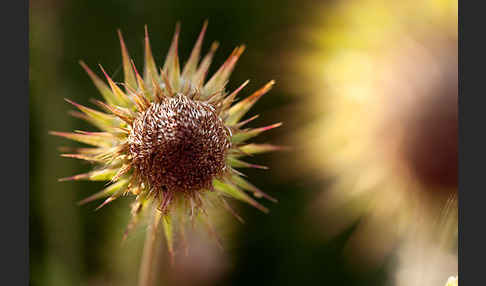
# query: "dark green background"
[[69, 244]]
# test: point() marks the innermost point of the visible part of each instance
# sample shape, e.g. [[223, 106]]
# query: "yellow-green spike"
[[250, 133], [139, 99], [253, 148], [169, 60], [108, 191], [102, 120], [127, 67], [100, 85], [122, 113], [102, 175], [237, 111], [121, 97], [168, 87], [121, 172], [230, 98], [201, 72], [90, 151], [245, 185], [158, 93], [141, 84], [83, 157], [150, 70], [90, 139], [236, 163], [169, 234], [230, 189], [231, 210], [219, 79], [171, 66], [191, 65]]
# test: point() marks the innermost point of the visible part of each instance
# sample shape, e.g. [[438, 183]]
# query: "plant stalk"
[[150, 251]]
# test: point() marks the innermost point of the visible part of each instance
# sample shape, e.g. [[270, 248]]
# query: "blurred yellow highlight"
[[384, 82]]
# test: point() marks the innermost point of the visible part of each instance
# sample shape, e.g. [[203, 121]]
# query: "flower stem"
[[150, 251]]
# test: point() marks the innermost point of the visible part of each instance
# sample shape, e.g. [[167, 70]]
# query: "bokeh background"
[[72, 245]]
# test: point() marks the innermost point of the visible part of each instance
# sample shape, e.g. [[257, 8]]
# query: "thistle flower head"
[[170, 137], [179, 145]]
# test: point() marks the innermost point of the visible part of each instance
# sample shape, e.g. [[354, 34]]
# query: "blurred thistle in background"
[[383, 91]]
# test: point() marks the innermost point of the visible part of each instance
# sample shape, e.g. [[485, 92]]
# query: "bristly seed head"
[[172, 138], [179, 145]]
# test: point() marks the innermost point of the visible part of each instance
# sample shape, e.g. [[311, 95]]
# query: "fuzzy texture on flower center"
[[179, 145]]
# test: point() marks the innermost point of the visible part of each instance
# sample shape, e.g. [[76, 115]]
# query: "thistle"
[[171, 138]]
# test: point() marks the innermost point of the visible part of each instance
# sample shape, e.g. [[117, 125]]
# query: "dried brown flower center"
[[179, 145]]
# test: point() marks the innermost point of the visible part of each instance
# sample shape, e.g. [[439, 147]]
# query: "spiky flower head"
[[171, 138]]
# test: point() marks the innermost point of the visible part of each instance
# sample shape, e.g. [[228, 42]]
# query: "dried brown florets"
[[179, 145]]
